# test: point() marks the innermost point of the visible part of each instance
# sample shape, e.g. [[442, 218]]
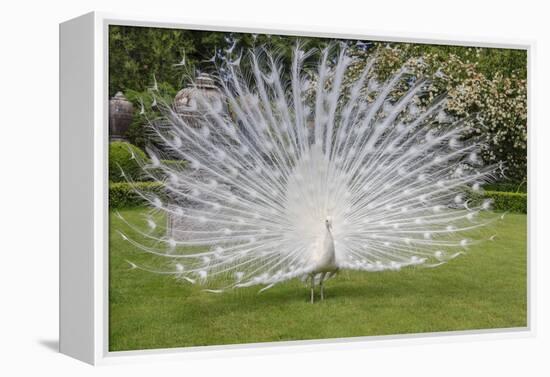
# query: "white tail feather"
[[261, 181]]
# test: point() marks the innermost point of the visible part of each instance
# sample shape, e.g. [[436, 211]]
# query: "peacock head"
[[328, 222]]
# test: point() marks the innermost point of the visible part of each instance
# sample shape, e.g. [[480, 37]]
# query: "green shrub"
[[503, 201], [123, 194], [508, 201], [508, 187], [120, 157]]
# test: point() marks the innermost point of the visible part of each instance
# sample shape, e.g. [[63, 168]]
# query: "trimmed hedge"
[[507, 201], [502, 201], [123, 194], [507, 187], [120, 157]]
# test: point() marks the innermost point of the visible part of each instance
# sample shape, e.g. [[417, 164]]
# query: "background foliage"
[[486, 85], [140, 55]]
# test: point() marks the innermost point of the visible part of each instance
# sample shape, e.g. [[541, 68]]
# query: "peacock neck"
[[329, 244]]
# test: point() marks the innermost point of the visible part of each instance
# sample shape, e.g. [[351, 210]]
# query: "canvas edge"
[[101, 353], [76, 190]]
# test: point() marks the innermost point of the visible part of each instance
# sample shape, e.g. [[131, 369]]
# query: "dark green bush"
[[508, 187], [120, 156], [503, 201], [123, 194], [507, 201]]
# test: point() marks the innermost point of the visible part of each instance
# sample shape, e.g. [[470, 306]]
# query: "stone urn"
[[190, 102], [121, 112]]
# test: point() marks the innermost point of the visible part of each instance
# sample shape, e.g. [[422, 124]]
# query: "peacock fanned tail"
[[294, 146]]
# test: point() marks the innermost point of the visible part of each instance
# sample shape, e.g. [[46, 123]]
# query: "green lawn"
[[486, 288]]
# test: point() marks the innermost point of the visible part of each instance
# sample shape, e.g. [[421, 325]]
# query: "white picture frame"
[[84, 193]]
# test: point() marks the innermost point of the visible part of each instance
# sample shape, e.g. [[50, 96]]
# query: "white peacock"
[[310, 176]]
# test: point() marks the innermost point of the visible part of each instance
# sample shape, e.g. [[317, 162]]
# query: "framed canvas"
[[235, 189]]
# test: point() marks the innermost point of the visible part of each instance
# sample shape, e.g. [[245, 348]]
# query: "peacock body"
[[308, 174]]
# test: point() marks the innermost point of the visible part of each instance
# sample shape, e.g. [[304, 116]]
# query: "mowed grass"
[[485, 288]]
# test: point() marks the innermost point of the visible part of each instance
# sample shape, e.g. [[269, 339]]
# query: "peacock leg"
[[322, 286], [312, 287]]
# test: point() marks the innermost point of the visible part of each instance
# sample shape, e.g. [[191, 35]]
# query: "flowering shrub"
[[493, 108]]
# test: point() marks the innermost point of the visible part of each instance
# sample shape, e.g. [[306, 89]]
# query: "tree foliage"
[[140, 55], [486, 81]]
